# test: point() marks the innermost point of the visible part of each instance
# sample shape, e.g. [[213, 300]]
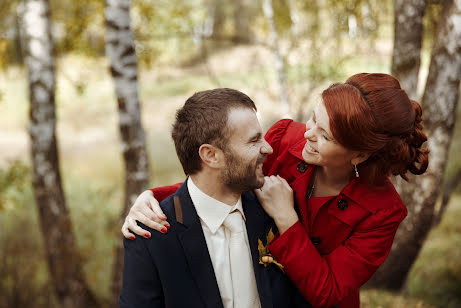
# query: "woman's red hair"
[[371, 113]]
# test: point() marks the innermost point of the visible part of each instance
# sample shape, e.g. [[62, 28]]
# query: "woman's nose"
[[309, 134]]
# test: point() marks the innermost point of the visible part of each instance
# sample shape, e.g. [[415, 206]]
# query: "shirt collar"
[[211, 211]]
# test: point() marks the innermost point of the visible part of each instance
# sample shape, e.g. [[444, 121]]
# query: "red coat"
[[338, 246]]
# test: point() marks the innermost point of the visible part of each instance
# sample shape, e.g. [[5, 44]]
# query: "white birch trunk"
[[121, 54], [279, 64], [408, 36], [61, 251], [439, 104]]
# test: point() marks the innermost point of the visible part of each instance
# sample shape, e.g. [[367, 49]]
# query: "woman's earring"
[[356, 171]]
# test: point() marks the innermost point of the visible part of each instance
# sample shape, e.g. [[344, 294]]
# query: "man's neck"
[[212, 185]]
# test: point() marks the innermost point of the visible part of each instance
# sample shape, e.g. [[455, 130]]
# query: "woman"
[[347, 211]]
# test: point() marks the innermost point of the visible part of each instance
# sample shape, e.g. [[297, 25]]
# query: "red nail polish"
[[168, 226], [147, 235], [132, 237], [163, 230]]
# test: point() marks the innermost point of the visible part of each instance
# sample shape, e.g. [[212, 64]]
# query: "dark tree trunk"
[[439, 104], [61, 251], [217, 14], [408, 35], [242, 15], [121, 54]]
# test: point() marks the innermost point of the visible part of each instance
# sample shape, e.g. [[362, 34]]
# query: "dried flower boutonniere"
[[265, 257]]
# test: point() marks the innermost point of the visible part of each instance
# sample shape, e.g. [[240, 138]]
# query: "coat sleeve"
[[274, 137], [325, 280], [162, 192], [141, 286]]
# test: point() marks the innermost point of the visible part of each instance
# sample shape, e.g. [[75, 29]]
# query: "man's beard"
[[240, 177]]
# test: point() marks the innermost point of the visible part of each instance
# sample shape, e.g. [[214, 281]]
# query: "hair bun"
[[420, 156]]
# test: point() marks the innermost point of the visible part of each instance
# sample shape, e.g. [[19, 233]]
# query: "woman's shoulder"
[[376, 198], [285, 133]]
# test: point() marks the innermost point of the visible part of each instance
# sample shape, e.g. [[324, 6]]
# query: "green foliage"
[[9, 34], [436, 274], [95, 208], [79, 26], [384, 299], [24, 280], [13, 181]]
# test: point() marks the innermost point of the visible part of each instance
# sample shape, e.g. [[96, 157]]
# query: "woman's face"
[[321, 148]]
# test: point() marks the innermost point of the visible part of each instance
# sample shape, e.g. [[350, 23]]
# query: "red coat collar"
[[371, 198]]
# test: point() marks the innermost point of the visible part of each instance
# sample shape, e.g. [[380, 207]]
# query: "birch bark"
[[279, 64], [408, 36], [61, 251], [439, 103], [121, 54]]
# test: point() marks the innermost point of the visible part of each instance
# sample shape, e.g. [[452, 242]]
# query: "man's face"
[[245, 152]]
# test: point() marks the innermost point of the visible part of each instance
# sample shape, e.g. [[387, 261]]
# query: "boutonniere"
[[265, 257]]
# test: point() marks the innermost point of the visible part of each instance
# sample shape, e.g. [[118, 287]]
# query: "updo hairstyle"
[[371, 113]]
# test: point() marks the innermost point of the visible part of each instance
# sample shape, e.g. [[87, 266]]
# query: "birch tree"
[[279, 64], [242, 18], [439, 105], [121, 54], [408, 35], [61, 252]]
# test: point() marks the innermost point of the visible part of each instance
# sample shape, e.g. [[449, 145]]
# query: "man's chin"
[[259, 183]]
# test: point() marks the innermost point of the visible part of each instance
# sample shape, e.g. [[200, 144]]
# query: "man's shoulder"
[[167, 206]]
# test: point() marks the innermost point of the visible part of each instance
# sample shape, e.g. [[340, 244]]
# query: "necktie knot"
[[234, 222]]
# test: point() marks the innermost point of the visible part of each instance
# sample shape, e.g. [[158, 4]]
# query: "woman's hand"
[[145, 209], [276, 197]]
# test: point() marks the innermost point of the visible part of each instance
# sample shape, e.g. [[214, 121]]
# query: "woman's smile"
[[309, 149]]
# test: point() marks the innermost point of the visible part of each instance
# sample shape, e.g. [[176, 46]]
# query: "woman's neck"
[[331, 181]]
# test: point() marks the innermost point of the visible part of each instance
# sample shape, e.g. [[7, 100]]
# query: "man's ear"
[[211, 156], [360, 157]]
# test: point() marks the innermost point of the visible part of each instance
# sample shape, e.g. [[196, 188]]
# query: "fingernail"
[[147, 235], [168, 226], [163, 230], [164, 216], [132, 237]]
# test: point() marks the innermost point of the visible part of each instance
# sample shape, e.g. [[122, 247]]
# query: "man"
[[210, 257]]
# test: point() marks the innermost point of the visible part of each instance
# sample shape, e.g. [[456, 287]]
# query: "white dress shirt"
[[212, 214]]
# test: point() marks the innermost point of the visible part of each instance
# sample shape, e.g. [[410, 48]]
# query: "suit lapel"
[[257, 223], [192, 239]]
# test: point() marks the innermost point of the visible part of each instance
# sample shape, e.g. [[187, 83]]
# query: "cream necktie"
[[245, 292]]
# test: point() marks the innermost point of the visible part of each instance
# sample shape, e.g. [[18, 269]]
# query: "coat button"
[[342, 204], [316, 240], [302, 167]]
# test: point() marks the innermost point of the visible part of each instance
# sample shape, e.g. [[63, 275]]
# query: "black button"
[[342, 204], [302, 167], [316, 240]]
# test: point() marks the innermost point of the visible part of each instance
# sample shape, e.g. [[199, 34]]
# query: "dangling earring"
[[356, 171]]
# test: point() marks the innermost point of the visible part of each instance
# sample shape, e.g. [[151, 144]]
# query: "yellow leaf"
[[270, 236], [261, 248]]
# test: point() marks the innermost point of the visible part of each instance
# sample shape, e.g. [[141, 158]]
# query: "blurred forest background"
[[88, 91]]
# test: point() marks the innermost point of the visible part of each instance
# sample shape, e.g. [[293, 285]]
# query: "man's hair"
[[203, 120]]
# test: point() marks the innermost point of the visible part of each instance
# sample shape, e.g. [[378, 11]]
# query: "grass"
[[436, 274]]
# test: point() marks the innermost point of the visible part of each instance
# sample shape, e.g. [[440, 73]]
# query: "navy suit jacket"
[[175, 269]]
